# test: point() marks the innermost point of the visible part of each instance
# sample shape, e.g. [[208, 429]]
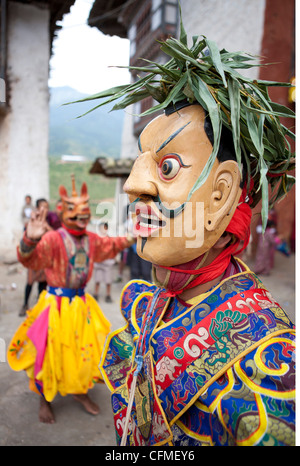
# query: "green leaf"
[[177, 45], [273, 83], [172, 73], [266, 112], [284, 187], [255, 131], [216, 58], [236, 56], [234, 97], [282, 110], [227, 68], [183, 35], [202, 93], [107, 93], [180, 54], [131, 99], [198, 46], [155, 92], [170, 98], [288, 132]]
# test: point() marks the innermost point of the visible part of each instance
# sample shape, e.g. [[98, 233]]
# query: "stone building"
[[261, 27], [27, 29]]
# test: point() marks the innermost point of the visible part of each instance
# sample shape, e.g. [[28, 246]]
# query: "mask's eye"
[[169, 167], [70, 207]]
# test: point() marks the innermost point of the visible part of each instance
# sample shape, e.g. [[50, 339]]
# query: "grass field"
[[99, 187]]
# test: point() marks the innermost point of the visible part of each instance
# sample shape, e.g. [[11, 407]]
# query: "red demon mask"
[[75, 208]]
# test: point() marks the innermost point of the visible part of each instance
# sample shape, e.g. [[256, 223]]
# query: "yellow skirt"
[[59, 345]]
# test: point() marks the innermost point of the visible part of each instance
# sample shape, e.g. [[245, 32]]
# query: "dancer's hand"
[[37, 225]]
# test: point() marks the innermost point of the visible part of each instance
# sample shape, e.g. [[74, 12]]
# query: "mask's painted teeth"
[[150, 221]]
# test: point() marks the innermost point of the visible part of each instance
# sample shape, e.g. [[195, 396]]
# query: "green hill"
[[93, 135], [98, 133]]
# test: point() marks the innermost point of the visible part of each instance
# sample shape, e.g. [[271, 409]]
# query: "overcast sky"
[[82, 55]]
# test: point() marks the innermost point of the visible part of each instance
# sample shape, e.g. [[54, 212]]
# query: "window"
[[143, 24], [155, 20]]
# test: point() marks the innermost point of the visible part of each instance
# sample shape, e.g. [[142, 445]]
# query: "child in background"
[[103, 271]]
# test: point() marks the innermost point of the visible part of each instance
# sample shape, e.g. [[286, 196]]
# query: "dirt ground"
[[19, 424]]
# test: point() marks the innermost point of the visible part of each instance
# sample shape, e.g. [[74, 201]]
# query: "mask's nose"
[[142, 179]]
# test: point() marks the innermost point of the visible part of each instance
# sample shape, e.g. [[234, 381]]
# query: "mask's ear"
[[62, 192], [84, 190], [225, 195]]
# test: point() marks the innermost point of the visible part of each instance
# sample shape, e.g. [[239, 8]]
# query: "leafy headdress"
[[206, 75]]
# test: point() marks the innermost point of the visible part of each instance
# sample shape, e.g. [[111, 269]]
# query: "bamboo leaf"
[[273, 83], [199, 87], [266, 112], [131, 99], [234, 97], [216, 58], [174, 74], [172, 97], [177, 45], [253, 131], [183, 35], [155, 92], [181, 55], [198, 46], [107, 93], [282, 110]]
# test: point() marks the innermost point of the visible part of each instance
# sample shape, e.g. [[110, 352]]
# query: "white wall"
[[24, 130], [236, 25]]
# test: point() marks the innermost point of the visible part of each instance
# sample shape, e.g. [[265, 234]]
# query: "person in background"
[[60, 342], [53, 216], [103, 271], [26, 210], [266, 245], [139, 268]]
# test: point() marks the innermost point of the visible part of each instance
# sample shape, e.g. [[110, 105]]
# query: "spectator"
[[26, 210], [103, 271]]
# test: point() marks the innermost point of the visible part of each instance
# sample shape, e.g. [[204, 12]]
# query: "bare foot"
[[87, 403], [46, 414]]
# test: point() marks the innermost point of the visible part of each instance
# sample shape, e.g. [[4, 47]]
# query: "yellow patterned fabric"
[[60, 345]]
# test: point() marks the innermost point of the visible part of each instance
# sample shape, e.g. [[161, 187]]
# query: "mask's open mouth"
[[80, 220], [80, 217], [147, 221]]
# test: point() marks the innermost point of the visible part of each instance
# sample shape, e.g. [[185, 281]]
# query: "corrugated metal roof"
[[110, 167]]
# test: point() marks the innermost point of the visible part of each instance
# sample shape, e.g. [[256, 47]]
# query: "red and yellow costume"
[[60, 342]]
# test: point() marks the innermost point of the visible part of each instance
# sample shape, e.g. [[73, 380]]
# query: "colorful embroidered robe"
[[220, 372]]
